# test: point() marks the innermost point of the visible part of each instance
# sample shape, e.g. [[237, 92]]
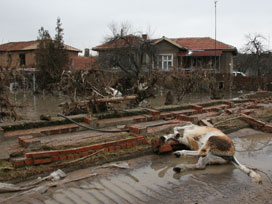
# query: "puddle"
[[148, 182], [255, 150]]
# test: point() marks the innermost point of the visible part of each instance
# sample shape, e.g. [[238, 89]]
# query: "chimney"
[[87, 52], [144, 36], [122, 32]]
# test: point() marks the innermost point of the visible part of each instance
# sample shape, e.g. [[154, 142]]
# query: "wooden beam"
[[116, 99]]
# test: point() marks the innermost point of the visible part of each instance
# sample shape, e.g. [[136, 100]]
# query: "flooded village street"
[[31, 106], [135, 102]]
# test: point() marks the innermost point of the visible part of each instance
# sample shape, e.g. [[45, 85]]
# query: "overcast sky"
[[86, 22]]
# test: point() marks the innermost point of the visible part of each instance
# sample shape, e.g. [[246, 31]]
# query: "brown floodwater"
[[32, 106]]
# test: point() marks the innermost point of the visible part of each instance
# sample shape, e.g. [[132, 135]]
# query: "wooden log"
[[117, 99], [113, 99]]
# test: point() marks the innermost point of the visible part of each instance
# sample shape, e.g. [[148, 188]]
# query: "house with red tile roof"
[[182, 53], [22, 54], [188, 53]]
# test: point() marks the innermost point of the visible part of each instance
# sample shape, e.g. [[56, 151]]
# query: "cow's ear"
[[181, 132]]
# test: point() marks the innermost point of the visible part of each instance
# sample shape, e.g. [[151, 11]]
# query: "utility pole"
[[215, 2]]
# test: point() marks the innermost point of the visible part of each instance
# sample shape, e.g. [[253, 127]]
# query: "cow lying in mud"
[[210, 144]]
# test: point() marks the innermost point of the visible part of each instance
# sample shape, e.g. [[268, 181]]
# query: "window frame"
[[161, 61]]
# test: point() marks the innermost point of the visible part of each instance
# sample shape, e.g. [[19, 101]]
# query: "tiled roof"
[[202, 43], [12, 46], [28, 45], [83, 63], [120, 42]]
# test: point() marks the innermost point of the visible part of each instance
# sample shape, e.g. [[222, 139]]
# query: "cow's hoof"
[[177, 154]]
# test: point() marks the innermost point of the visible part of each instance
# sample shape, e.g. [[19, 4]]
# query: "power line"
[[215, 2]]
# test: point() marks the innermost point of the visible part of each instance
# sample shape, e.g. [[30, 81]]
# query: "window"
[[9, 60], [164, 62], [22, 59]]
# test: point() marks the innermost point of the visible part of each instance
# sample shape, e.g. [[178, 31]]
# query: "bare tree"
[[126, 51], [255, 44], [129, 55], [117, 31], [84, 87], [182, 84], [254, 57], [7, 109]]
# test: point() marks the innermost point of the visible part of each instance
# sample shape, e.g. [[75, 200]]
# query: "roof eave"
[[170, 41], [112, 48]]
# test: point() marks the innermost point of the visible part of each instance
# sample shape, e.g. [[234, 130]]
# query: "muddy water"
[[254, 149], [32, 106], [149, 183], [152, 180]]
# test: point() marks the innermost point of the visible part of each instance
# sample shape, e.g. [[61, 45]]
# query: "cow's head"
[[177, 136]]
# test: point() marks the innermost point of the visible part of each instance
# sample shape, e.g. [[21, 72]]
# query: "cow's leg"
[[201, 164], [186, 153]]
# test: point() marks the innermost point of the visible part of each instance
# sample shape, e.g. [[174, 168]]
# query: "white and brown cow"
[[210, 144]]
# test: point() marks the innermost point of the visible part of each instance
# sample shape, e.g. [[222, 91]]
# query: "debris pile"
[[7, 109], [95, 91]]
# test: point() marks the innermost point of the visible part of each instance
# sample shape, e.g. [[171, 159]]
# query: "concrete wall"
[[226, 63], [226, 68]]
